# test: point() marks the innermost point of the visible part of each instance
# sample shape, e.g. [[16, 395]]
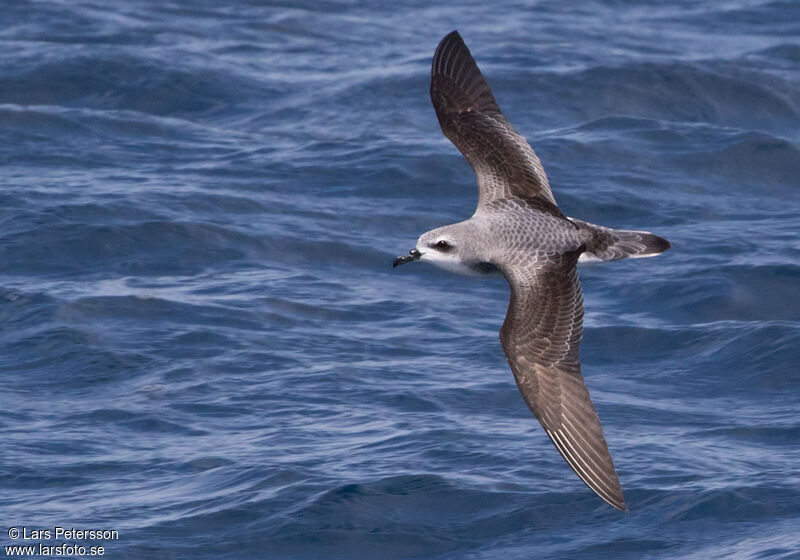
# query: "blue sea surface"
[[204, 347]]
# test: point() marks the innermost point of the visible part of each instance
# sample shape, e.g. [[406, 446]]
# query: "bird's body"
[[518, 231]]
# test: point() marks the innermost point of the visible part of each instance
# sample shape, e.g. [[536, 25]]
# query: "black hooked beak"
[[413, 255]]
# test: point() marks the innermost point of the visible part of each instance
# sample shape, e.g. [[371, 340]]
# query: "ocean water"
[[204, 346]]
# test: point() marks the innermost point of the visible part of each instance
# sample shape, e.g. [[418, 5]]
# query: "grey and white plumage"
[[518, 231]]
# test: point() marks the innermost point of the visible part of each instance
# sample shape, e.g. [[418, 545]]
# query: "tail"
[[606, 244]]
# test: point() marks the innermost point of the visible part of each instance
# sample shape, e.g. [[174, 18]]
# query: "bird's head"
[[448, 247]]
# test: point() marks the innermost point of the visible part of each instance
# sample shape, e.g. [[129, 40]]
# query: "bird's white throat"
[[448, 262]]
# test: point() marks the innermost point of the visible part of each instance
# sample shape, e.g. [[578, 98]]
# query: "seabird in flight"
[[518, 231]]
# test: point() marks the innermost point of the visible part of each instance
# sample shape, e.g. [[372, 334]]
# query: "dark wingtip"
[[454, 35], [661, 244], [617, 501], [621, 505], [457, 84]]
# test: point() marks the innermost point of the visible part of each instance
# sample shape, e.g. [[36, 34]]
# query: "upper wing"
[[505, 163], [540, 337]]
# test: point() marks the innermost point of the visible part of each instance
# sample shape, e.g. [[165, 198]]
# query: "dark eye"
[[443, 246]]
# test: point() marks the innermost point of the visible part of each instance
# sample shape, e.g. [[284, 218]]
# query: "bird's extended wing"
[[505, 163], [540, 337]]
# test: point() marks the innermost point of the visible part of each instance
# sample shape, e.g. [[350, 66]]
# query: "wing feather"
[[540, 336], [468, 113]]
